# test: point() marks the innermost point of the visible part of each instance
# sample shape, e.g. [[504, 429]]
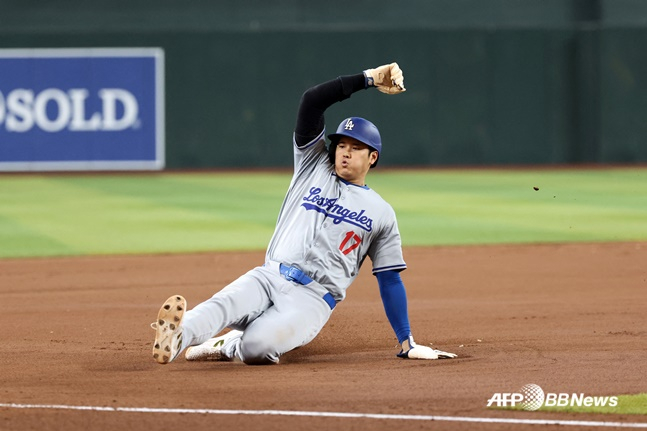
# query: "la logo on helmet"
[[349, 125]]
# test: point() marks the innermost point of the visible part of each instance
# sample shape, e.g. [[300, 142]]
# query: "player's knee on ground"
[[256, 351]]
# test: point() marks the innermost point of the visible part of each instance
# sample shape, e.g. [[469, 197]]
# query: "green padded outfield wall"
[[490, 82]]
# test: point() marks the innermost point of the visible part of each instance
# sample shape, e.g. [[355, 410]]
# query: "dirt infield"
[[569, 318]]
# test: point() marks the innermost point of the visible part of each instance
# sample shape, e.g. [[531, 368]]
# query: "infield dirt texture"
[[569, 316]]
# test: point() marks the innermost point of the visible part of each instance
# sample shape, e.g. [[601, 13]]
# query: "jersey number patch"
[[345, 247]]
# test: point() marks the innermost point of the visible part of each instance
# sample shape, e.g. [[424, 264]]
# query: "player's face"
[[353, 159]]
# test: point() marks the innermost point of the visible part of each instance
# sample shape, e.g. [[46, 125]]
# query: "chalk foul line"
[[329, 415]]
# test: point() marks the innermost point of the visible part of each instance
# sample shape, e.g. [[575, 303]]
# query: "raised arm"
[[314, 102]]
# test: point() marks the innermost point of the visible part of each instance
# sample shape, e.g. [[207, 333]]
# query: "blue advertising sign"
[[81, 109]]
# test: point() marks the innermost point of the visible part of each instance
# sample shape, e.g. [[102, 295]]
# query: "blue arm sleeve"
[[394, 298]]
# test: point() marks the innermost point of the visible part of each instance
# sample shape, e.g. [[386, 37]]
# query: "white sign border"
[[100, 165]]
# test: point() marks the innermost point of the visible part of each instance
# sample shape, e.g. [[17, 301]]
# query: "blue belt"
[[292, 273]]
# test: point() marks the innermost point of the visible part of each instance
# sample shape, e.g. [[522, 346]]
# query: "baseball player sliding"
[[329, 222]]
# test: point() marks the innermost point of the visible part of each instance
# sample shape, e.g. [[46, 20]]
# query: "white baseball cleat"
[[168, 327], [213, 349]]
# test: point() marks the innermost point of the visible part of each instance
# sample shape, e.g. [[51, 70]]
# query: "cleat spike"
[[168, 330]]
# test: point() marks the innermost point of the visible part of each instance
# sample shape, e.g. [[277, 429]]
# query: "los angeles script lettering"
[[336, 212]]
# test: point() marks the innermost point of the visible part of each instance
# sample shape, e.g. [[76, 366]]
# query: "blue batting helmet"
[[360, 129]]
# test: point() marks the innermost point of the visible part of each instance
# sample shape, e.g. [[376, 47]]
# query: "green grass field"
[[50, 215]]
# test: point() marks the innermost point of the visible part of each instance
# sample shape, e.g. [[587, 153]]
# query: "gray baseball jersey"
[[327, 226], [325, 229]]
